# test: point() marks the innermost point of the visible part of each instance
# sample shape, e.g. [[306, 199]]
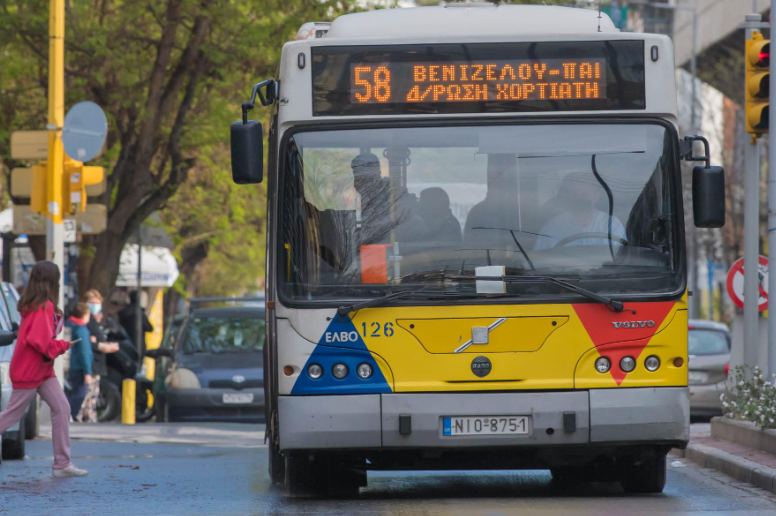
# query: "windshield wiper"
[[613, 304], [344, 310]]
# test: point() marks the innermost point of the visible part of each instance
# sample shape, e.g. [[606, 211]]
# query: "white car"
[[12, 439]]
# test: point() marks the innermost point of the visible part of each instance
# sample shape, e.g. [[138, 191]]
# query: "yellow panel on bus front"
[[424, 349]]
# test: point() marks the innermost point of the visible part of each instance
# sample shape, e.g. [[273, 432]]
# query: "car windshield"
[[707, 342], [224, 334], [367, 210]]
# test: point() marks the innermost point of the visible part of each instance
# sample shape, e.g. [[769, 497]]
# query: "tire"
[[321, 477], [143, 413], [109, 402], [32, 424], [277, 465], [13, 449], [646, 476], [568, 475]]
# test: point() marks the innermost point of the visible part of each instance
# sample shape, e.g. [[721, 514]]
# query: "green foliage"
[[225, 221], [751, 397], [170, 75]]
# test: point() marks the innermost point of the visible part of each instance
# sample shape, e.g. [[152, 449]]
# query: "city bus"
[[476, 254]]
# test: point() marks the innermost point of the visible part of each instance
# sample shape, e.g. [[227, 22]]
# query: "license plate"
[[485, 425], [241, 397]]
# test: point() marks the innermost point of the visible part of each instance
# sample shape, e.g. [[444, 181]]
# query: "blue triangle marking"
[[341, 343]]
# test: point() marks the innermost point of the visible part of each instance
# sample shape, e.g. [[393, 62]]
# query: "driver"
[[580, 197]]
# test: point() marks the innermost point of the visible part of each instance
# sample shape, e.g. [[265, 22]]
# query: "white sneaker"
[[70, 471]]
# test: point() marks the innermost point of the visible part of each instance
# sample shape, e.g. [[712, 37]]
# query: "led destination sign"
[[478, 78], [460, 81]]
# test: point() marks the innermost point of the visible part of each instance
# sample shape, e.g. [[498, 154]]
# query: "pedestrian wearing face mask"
[[100, 348]]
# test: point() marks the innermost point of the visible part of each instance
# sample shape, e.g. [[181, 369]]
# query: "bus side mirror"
[[708, 196], [7, 338], [247, 152]]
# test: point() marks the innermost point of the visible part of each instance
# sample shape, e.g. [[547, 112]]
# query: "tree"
[[218, 231], [170, 74]]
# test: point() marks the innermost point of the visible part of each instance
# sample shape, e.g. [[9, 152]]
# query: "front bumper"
[[601, 416], [208, 405]]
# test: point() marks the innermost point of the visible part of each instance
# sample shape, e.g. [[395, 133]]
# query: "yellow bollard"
[[128, 402]]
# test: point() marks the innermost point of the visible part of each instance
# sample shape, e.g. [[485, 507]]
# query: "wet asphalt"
[[230, 477]]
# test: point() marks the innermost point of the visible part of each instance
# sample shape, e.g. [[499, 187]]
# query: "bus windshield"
[[365, 212]]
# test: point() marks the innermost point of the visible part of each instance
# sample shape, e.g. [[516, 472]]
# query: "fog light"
[[627, 364], [602, 365], [652, 363], [339, 371], [364, 371], [314, 371]]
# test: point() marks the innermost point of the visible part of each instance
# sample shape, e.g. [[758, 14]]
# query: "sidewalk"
[[736, 460], [203, 434]]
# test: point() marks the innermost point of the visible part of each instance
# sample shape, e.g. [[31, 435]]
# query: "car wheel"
[[13, 444], [31, 423], [647, 476], [109, 401]]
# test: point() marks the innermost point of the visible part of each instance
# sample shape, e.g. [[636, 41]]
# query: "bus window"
[[368, 209]]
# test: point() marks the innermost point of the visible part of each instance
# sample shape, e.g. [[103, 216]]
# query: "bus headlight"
[[339, 371], [602, 365], [314, 371], [627, 364], [364, 371], [652, 363]]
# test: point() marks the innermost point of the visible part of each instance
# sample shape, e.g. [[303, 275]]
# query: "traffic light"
[[38, 191], [758, 63], [77, 178]]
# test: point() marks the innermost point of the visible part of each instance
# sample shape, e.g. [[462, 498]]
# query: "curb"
[[741, 469], [744, 433]]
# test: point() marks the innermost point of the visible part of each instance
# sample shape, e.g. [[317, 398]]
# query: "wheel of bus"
[[277, 465], [304, 476], [568, 474], [646, 476]]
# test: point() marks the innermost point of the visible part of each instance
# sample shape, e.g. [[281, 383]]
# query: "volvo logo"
[[238, 378], [481, 366], [633, 324], [480, 335]]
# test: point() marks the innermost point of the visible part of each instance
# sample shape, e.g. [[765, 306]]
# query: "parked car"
[[708, 348], [13, 438], [216, 370]]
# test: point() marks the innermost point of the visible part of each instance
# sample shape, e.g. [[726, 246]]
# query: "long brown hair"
[[43, 286]]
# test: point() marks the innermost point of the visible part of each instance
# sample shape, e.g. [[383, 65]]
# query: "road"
[[221, 469]]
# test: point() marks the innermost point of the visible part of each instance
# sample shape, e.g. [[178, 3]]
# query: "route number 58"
[[374, 84]]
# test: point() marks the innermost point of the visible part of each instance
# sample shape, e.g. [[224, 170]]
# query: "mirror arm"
[[272, 95], [686, 151]]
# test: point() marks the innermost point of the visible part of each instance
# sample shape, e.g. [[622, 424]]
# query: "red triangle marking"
[[597, 320]]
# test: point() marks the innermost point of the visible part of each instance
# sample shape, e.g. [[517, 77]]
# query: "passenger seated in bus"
[[581, 216], [375, 199], [489, 222], [441, 224]]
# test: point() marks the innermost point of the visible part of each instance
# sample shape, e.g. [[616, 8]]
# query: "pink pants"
[[51, 393]]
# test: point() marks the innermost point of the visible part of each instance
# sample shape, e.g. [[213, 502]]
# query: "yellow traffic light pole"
[[55, 245]]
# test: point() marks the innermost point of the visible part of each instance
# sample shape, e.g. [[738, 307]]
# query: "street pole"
[[771, 222], [55, 245], [751, 232], [138, 308]]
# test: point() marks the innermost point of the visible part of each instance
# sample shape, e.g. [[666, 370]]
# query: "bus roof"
[[503, 20]]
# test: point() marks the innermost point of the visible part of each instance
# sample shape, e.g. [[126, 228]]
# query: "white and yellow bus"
[[476, 253]]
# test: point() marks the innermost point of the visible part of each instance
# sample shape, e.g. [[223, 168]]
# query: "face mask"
[[95, 308]]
